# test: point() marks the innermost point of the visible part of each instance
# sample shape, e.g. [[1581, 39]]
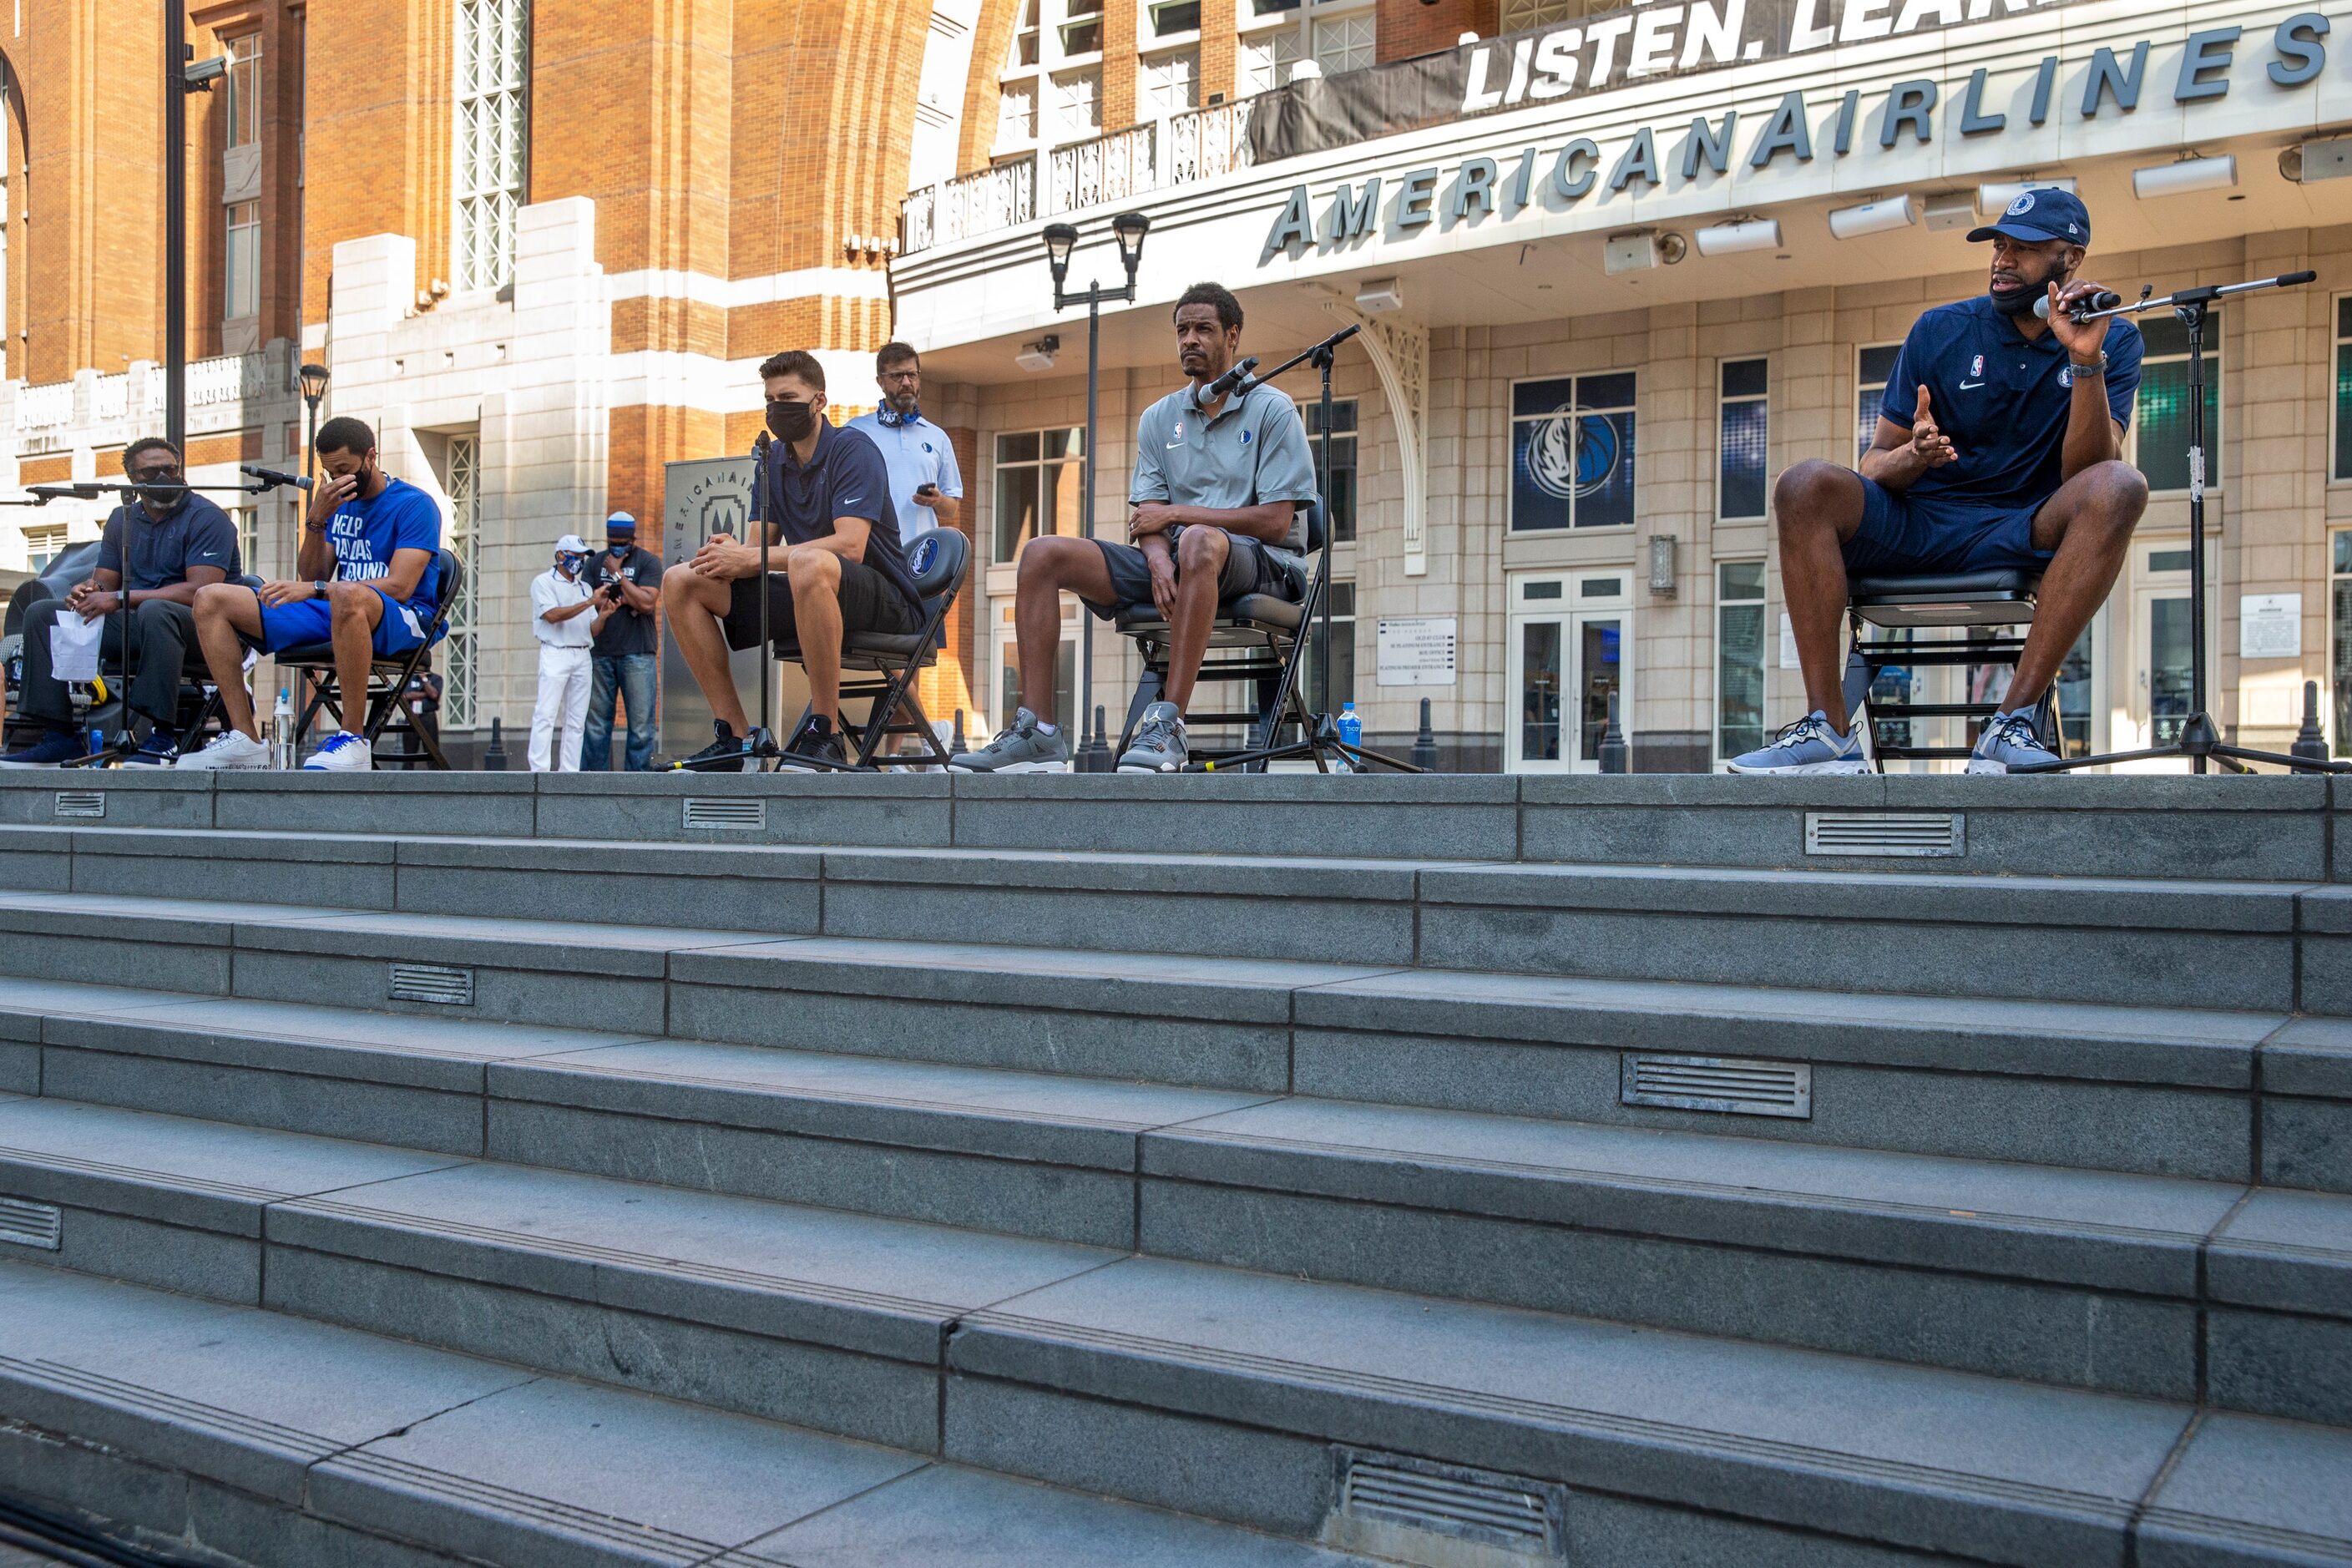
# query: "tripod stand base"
[[1323, 744], [2199, 742]]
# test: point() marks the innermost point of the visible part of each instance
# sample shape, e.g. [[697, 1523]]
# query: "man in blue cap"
[[1999, 447]]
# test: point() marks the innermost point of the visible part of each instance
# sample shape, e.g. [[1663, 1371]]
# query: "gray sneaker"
[[1018, 750], [2008, 742], [1807, 746], [1159, 743]]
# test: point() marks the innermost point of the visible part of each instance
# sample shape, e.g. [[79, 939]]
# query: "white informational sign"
[[1416, 652], [1789, 643], [2270, 625]]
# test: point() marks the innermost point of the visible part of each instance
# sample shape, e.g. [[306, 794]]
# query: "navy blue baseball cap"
[[2043, 213]]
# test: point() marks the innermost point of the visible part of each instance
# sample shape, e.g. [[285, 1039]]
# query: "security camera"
[[1039, 356], [200, 75]]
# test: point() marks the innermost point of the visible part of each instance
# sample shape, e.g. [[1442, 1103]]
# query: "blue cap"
[[2042, 213], [620, 523]]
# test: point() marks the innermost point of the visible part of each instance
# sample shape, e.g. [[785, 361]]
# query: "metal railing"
[[1183, 149]]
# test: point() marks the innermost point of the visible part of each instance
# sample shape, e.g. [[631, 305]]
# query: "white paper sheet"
[[73, 647]]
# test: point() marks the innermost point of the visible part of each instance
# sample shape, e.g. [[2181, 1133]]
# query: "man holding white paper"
[[179, 543]]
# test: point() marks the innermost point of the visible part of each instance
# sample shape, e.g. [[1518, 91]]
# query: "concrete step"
[[2168, 826], [2225, 1096], [2228, 944], [2182, 1290], [1236, 1395], [280, 1443]]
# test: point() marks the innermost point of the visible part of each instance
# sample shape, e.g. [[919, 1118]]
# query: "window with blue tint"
[[1873, 366], [1740, 487], [1572, 452], [2343, 466], [2160, 412], [2339, 637], [1339, 504]]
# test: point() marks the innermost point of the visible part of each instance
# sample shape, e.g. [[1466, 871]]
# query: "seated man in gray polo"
[[1218, 509]]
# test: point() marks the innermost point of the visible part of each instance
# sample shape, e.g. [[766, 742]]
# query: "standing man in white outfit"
[[564, 616]]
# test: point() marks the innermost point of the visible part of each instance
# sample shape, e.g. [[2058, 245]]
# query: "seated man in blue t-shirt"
[[371, 546], [1999, 447]]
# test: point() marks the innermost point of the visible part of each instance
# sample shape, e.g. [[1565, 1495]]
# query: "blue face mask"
[[570, 563]]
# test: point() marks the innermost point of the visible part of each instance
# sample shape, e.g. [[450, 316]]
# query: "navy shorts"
[[1903, 537], [309, 621]]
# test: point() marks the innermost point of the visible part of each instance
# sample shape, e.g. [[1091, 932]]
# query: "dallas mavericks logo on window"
[[2022, 205], [1572, 455], [1573, 446]]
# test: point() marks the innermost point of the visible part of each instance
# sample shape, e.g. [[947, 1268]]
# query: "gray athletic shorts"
[[1250, 568]]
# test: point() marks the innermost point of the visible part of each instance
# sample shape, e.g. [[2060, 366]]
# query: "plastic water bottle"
[[281, 730], [1351, 730]]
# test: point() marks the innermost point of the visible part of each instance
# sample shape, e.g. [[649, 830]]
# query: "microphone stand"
[[109, 753], [2200, 739], [1321, 741]]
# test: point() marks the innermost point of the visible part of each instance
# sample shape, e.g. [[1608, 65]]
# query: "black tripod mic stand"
[[1322, 742], [2199, 740]]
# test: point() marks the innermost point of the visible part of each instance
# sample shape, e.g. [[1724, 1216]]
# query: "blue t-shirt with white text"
[[366, 532]]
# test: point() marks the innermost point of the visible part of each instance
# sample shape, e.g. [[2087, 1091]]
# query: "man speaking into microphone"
[[1999, 447]]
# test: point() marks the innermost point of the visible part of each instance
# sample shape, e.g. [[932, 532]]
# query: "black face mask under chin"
[[2019, 304], [790, 422]]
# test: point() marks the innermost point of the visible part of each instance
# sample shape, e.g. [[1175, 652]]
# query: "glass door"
[[2163, 680], [1568, 646]]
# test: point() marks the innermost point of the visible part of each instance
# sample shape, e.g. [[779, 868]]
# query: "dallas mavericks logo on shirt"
[[1245, 437], [1571, 454], [2066, 376]]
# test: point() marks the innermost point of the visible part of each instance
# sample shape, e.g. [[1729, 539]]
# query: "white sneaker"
[[230, 749], [342, 753]]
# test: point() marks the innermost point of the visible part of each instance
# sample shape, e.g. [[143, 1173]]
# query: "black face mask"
[[792, 421], [2018, 304]]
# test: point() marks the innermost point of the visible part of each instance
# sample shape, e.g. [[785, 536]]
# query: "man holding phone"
[[625, 658], [926, 487]]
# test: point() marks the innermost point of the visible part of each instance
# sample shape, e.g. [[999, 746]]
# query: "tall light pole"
[[314, 390], [1061, 238]]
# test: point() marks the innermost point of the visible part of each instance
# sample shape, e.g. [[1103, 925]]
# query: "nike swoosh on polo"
[[1970, 385]]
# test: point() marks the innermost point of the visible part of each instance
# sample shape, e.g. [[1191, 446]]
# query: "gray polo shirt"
[[1254, 452]]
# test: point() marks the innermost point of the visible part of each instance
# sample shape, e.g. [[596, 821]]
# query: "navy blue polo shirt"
[[845, 476], [2002, 399], [194, 533]]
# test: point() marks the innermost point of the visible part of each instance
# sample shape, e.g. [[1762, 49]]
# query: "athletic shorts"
[[1250, 568], [1901, 536], [309, 621], [869, 603]]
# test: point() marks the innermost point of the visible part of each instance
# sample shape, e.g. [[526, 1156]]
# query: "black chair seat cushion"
[[322, 656], [1261, 609], [1957, 585]]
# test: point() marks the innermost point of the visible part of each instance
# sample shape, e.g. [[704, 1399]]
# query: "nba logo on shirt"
[[1977, 366]]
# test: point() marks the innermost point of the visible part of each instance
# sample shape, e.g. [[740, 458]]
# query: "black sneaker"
[[715, 757], [159, 750], [819, 742]]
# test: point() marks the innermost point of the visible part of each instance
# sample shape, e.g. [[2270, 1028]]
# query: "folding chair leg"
[[1147, 692]]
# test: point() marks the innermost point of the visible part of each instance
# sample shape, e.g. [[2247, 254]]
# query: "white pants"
[[564, 679]]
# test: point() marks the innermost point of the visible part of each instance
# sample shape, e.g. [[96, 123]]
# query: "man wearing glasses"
[[925, 484], [180, 542], [836, 567]]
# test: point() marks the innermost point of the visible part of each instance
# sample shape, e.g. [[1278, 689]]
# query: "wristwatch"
[[2098, 369], [319, 586]]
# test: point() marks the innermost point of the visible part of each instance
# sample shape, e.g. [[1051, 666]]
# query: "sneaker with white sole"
[[1021, 749], [229, 748], [2008, 742], [1159, 746], [342, 753], [1808, 746]]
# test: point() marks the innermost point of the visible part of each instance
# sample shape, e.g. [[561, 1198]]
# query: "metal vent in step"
[[1886, 833], [708, 811], [25, 1223], [440, 983], [81, 803], [1420, 1512], [1744, 1085]]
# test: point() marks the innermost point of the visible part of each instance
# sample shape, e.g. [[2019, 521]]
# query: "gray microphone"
[[2088, 305]]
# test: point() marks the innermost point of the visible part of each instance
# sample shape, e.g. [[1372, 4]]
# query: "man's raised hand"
[[1928, 442]]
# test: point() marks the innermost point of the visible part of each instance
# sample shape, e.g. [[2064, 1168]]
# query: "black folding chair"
[[1256, 639], [1979, 600], [388, 680], [880, 668]]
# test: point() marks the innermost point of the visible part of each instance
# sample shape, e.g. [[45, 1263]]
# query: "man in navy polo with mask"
[[1999, 447], [841, 570]]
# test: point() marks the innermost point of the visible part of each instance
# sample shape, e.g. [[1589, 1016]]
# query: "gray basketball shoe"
[[1018, 750], [1158, 745]]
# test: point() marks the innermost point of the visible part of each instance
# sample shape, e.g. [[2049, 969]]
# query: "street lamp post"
[[314, 392], [183, 76], [1092, 756]]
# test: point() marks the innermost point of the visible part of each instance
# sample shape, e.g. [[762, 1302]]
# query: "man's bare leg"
[[696, 604], [1050, 565], [224, 610], [1819, 506], [815, 575], [2089, 523], [1200, 562], [353, 611]]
